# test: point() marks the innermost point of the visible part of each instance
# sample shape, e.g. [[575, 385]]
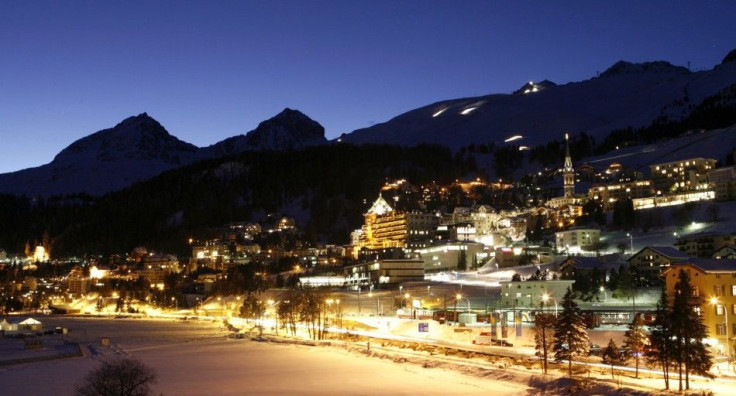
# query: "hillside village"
[[589, 240]]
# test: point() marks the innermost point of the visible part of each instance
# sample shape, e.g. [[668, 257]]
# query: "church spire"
[[568, 172]]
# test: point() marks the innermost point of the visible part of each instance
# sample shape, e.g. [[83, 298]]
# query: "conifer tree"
[[612, 355], [691, 355], [571, 334], [635, 339], [660, 339]]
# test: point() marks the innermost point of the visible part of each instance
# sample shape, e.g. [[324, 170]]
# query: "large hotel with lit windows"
[[386, 228]]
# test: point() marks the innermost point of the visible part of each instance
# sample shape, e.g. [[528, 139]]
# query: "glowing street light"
[[459, 297], [631, 240], [546, 297]]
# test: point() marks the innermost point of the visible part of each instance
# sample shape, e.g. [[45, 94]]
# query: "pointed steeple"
[[568, 172]]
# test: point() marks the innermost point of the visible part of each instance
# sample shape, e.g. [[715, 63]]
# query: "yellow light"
[[458, 296], [714, 300], [545, 297]]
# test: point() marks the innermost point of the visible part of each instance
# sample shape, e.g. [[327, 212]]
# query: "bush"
[[124, 377]]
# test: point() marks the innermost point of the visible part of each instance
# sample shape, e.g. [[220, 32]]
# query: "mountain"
[[136, 149], [139, 148], [625, 95], [289, 130]]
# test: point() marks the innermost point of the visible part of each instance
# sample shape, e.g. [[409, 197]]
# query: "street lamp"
[[605, 296], [714, 301], [546, 297], [631, 241], [459, 297]]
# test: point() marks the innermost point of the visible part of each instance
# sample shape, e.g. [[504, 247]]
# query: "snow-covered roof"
[[708, 264], [667, 251], [30, 322]]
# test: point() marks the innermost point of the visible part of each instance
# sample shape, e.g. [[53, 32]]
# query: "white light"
[[522, 148], [512, 138], [439, 112], [468, 110]]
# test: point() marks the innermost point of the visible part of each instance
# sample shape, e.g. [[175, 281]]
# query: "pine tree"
[[635, 339], [462, 262], [612, 356], [544, 324], [691, 355], [571, 334], [660, 339]]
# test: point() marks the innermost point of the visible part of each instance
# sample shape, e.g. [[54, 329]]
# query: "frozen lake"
[[198, 358]]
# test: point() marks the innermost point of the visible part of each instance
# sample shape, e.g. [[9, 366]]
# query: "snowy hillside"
[[624, 95]]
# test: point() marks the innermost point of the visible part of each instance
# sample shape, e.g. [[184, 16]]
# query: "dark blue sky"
[[208, 70]]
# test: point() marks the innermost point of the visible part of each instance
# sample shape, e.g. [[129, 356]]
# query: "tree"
[[571, 334], [635, 339], [462, 261], [660, 339], [544, 325], [253, 307], [612, 355], [124, 377], [688, 329]]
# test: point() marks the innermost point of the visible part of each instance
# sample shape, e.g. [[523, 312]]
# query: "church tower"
[[568, 173]]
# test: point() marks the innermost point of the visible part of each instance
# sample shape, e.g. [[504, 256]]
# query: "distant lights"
[[512, 138], [468, 110], [522, 148], [438, 112]]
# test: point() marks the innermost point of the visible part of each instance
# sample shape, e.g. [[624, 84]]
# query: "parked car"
[[503, 343]]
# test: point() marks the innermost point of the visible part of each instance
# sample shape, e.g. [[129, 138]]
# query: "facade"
[[568, 197], [568, 173], [386, 228], [577, 240], [672, 199], [445, 257], [684, 175], [385, 272], [723, 183], [577, 266], [703, 244], [652, 260], [610, 193], [714, 283], [531, 294]]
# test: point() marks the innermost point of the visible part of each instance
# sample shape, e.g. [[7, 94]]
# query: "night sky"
[[208, 70]]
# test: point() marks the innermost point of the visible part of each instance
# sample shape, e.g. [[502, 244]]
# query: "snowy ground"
[[200, 359]]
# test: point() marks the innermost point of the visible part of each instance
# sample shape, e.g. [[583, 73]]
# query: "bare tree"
[[544, 336], [124, 377]]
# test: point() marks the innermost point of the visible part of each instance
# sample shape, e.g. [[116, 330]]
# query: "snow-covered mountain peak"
[[137, 137], [290, 129], [658, 67]]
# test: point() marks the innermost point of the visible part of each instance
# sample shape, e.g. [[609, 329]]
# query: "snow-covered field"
[[195, 358]]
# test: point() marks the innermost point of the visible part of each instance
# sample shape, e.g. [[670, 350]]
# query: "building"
[[579, 266], [577, 240], [385, 272], [723, 183], [568, 182], [446, 257], [714, 283], [652, 260], [533, 295], [384, 227], [684, 175], [608, 194], [672, 199], [726, 252], [703, 244]]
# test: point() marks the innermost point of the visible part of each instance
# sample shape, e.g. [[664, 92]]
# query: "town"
[[474, 262]]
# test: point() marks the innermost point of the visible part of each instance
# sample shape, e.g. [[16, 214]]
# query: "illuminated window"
[[719, 309]]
